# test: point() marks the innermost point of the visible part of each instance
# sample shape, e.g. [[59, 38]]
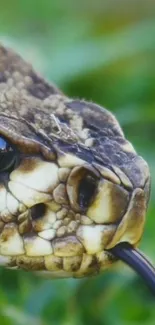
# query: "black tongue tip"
[[137, 261]]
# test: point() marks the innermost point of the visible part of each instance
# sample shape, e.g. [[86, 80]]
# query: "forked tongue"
[[137, 261]]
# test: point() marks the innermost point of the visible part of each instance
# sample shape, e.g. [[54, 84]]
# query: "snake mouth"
[[57, 230], [86, 250]]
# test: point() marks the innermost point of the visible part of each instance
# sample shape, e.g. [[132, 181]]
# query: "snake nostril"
[[38, 211]]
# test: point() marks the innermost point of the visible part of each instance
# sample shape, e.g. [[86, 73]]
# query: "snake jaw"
[[51, 231]]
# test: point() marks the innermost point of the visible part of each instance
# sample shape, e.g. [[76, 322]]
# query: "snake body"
[[77, 187]]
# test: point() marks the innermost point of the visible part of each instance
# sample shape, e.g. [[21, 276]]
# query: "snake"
[[72, 187]]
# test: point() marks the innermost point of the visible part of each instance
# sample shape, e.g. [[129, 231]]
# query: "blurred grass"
[[102, 51]]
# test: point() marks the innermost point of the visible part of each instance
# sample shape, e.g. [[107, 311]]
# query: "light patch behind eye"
[[27, 195], [43, 176], [12, 204]]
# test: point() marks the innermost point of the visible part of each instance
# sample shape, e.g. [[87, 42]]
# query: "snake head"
[[112, 188], [71, 185]]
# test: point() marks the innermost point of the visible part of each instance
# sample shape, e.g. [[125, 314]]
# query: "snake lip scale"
[[71, 186]]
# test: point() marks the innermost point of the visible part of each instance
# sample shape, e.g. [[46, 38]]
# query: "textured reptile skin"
[[65, 148]]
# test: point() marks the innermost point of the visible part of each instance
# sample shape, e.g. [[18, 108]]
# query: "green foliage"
[[102, 51]]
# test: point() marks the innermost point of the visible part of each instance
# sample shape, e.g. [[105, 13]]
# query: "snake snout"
[[116, 210], [110, 203], [131, 226], [117, 215]]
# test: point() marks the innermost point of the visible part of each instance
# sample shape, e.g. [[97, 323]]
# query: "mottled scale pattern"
[[79, 187]]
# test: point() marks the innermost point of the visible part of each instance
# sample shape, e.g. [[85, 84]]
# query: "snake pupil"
[[87, 190], [8, 155]]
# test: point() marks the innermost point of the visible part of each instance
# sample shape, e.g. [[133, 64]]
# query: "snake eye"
[[81, 187], [87, 189], [8, 155]]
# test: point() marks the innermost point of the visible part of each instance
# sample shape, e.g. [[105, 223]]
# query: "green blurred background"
[[102, 51]]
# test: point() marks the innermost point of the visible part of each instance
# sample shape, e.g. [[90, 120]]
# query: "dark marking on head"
[[95, 117], [87, 189], [94, 262], [78, 150], [29, 116], [63, 119], [40, 89], [28, 164], [38, 211]]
